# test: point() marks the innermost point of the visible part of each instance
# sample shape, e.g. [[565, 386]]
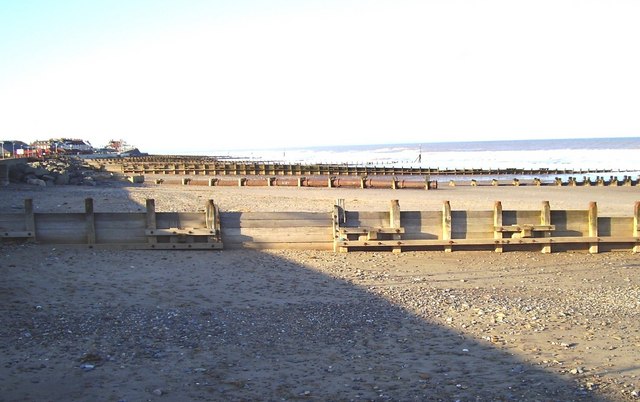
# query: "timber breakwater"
[[213, 172], [166, 165]]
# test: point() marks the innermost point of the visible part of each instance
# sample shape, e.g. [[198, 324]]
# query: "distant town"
[[66, 146]]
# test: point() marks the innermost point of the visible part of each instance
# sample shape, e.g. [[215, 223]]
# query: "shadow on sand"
[[234, 325]]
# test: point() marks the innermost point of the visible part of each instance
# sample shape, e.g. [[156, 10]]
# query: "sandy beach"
[[234, 325]]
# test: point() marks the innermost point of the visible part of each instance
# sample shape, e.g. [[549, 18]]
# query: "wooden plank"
[[570, 222], [147, 246], [123, 220], [365, 230], [447, 225], [368, 215], [340, 203], [636, 224], [337, 218], [180, 219], [277, 224], [61, 228], [267, 235], [118, 227], [525, 226], [422, 218], [524, 241], [593, 226], [118, 236], [279, 246], [183, 232], [545, 219], [394, 220], [615, 226], [29, 219], [15, 234], [497, 222], [12, 222], [151, 219], [514, 217], [394, 214], [269, 216], [423, 235], [323, 220], [212, 216], [90, 221]]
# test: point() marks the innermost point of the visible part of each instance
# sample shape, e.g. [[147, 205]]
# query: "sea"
[[617, 157]]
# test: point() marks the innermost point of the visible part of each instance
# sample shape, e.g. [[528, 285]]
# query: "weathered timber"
[[214, 166], [344, 230], [373, 182], [498, 229]]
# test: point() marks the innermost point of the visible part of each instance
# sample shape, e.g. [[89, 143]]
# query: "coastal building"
[[72, 146], [13, 148]]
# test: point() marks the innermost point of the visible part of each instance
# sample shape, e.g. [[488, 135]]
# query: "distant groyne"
[[167, 165]]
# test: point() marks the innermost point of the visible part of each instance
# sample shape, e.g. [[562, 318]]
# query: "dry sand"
[[81, 324]]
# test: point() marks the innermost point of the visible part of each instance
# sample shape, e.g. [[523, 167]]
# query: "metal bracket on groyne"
[[340, 229]]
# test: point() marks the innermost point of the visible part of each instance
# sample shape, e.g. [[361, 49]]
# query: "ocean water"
[[620, 155]]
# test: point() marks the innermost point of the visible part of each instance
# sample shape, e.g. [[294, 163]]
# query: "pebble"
[[87, 367]]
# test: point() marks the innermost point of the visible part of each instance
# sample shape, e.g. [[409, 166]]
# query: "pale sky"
[[172, 76]]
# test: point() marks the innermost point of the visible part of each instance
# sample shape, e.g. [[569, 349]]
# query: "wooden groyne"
[[377, 182], [208, 167], [340, 229]]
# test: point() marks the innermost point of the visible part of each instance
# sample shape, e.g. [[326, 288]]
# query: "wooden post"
[[446, 224], [338, 218], [593, 226], [151, 219], [300, 180], [394, 222], [636, 226], [497, 221], [212, 219], [342, 217], [209, 215], [545, 219], [91, 221], [29, 219], [362, 180], [394, 183], [330, 182], [394, 214]]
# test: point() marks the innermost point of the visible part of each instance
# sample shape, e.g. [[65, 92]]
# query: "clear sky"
[[181, 75]]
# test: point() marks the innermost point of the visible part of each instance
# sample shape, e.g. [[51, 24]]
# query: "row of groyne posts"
[[343, 175], [392, 182], [180, 166]]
